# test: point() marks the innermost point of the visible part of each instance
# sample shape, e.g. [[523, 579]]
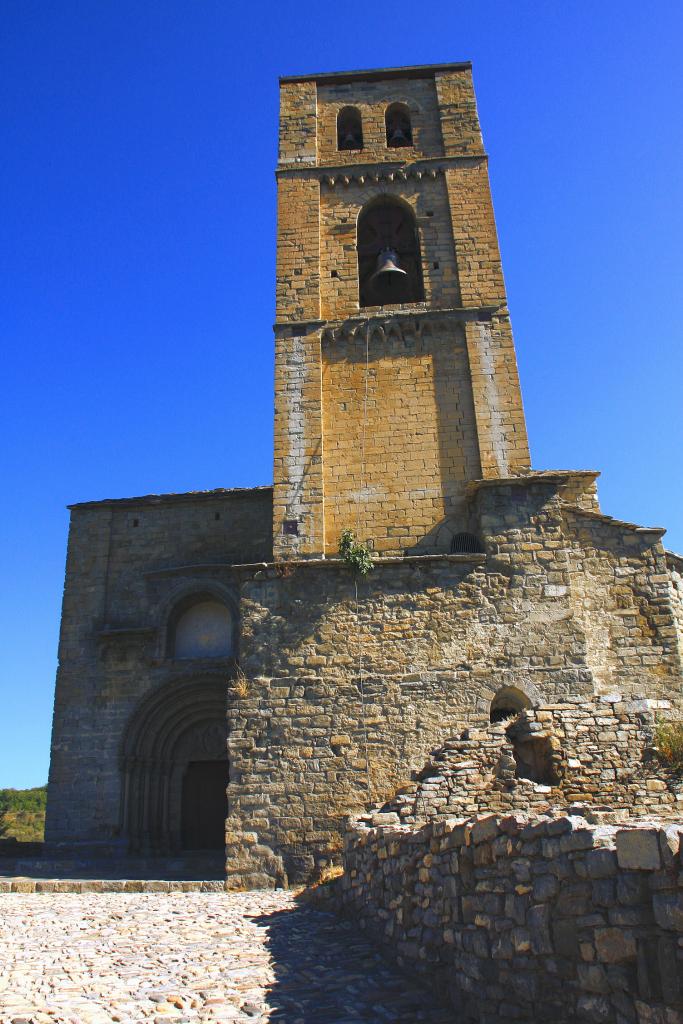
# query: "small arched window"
[[389, 260], [508, 703], [349, 128], [202, 630], [399, 128]]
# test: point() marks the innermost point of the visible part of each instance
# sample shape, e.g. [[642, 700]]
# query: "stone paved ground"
[[186, 957]]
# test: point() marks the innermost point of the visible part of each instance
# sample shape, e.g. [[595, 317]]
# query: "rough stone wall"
[[675, 568], [458, 112], [129, 562], [621, 592], [432, 639], [606, 577], [298, 453], [439, 637], [518, 919], [298, 123], [597, 754]]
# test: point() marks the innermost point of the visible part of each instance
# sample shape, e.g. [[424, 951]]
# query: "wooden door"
[[205, 805]]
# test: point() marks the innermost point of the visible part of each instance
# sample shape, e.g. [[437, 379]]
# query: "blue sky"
[[137, 256]]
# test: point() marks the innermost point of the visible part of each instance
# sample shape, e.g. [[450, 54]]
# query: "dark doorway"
[[205, 805]]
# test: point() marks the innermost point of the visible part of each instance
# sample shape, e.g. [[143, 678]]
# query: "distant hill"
[[22, 814]]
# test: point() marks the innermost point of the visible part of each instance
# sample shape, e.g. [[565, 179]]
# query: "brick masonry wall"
[[528, 919]]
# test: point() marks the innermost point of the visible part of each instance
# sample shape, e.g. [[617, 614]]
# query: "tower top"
[[410, 71]]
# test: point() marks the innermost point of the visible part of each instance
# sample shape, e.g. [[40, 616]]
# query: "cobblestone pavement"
[[186, 957]]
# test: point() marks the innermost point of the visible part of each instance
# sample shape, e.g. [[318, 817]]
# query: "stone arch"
[[387, 235], [349, 128], [177, 726], [507, 703], [182, 599], [398, 125]]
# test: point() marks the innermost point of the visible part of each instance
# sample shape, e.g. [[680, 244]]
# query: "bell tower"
[[395, 379]]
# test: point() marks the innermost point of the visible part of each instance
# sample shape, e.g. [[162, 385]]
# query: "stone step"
[[51, 885], [177, 868]]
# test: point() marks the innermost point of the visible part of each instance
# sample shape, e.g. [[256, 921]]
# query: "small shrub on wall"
[[669, 744]]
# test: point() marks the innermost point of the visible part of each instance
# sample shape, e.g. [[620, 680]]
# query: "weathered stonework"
[[518, 919], [403, 422]]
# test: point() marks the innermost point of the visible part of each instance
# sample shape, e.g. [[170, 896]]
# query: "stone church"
[[225, 680]]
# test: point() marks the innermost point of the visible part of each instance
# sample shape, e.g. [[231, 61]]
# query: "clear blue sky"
[[137, 235]]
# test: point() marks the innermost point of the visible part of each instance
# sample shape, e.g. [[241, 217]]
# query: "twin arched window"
[[201, 628], [397, 124]]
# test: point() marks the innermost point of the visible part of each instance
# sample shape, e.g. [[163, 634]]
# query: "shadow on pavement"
[[327, 972]]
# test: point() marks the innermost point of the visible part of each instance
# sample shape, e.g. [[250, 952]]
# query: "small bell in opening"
[[387, 266], [350, 141], [398, 137]]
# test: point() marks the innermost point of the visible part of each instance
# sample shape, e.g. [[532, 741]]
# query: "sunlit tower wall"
[[396, 379]]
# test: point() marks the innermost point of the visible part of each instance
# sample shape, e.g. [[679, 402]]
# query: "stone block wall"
[[429, 640], [129, 563], [437, 638], [372, 99], [528, 919], [398, 454], [674, 564], [467, 371], [340, 207]]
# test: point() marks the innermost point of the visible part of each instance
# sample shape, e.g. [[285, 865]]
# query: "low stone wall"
[[529, 919]]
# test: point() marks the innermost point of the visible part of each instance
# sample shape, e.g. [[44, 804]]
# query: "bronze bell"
[[350, 141], [387, 266], [398, 137]]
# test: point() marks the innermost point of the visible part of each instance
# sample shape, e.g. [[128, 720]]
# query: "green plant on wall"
[[356, 556], [669, 744]]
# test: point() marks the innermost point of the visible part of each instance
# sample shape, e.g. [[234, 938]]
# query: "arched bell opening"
[[349, 128], [174, 764], [398, 126], [389, 258]]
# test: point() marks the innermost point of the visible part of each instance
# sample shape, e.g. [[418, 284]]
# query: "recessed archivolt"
[[168, 729], [181, 599], [160, 719]]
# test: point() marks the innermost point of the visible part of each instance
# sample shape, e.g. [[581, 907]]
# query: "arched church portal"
[[175, 769]]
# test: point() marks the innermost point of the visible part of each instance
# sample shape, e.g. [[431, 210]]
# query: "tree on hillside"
[[22, 814]]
